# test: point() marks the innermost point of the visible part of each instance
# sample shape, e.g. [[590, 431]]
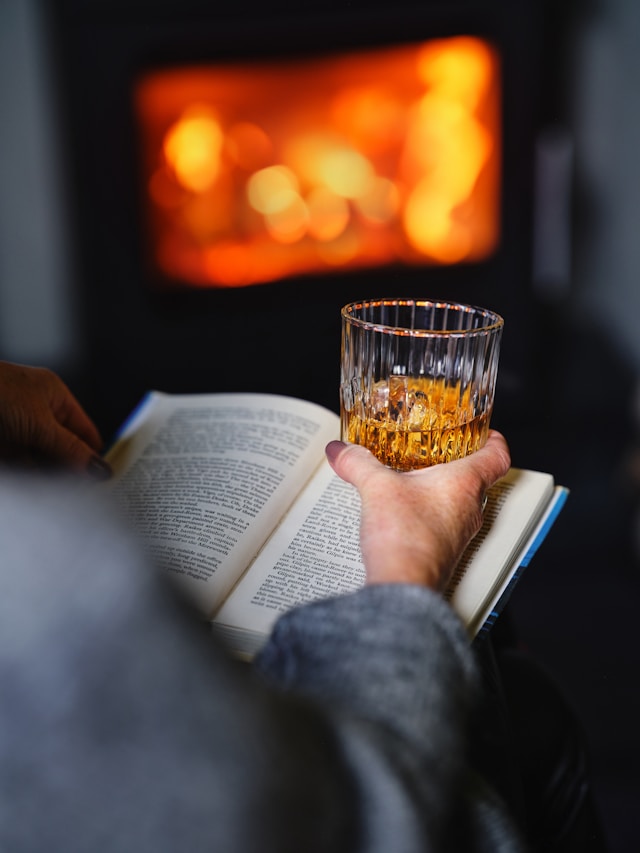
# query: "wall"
[[606, 122], [36, 322]]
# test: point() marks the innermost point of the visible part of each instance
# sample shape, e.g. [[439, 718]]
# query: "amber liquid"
[[418, 423]]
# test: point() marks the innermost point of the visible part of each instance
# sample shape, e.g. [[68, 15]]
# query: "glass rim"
[[494, 321]]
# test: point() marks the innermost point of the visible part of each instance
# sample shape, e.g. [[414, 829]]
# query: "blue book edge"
[[547, 521], [131, 417]]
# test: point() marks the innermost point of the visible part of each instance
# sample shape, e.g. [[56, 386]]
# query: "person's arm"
[[124, 727], [41, 422], [394, 659]]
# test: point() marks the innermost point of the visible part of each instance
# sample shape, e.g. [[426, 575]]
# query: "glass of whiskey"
[[417, 379]]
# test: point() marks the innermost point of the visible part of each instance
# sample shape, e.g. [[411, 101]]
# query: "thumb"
[[351, 462]]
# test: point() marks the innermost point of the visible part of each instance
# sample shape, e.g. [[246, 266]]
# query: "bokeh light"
[[362, 159]]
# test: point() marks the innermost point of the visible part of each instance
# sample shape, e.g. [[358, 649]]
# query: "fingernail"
[[99, 469], [334, 448]]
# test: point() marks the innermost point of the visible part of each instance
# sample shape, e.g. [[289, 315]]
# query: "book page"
[[513, 510], [315, 554], [486, 615], [204, 479]]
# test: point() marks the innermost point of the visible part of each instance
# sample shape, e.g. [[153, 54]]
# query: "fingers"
[[353, 462], [72, 437], [75, 419], [41, 420], [492, 461], [64, 445], [66, 434], [499, 445], [71, 415]]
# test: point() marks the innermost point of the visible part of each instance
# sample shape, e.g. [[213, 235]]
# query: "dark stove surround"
[[281, 337]]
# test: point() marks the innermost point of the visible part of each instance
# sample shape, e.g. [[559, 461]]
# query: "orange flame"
[[261, 172]]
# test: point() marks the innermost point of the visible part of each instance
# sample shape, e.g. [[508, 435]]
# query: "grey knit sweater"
[[125, 727]]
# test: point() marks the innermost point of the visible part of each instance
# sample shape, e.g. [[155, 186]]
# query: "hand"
[[42, 422], [416, 525]]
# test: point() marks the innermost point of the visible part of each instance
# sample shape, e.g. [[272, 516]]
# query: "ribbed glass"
[[418, 379]]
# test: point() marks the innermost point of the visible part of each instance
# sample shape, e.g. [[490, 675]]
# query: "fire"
[[192, 149], [258, 172]]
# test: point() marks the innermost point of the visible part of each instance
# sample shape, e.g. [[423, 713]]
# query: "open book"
[[234, 497]]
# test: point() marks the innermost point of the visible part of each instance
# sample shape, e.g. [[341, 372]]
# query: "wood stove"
[[213, 240]]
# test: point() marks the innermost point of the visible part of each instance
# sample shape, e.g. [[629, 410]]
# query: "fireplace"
[[374, 157], [237, 174]]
